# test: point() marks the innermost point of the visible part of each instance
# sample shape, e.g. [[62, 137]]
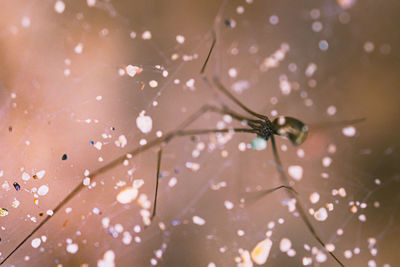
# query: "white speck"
[[138, 183], [127, 238], [362, 218], [321, 214], [300, 153], [127, 195], [142, 142], [86, 181], [274, 19], [228, 205], [98, 145], [172, 182], [198, 220], [285, 245], [105, 222], [330, 247], [291, 252], [118, 228], [91, 2], [307, 261], [26, 176], [78, 48], [349, 131], [180, 39], [259, 143], [36, 242], [342, 192], [146, 35], [348, 254], [240, 9], [245, 259], [96, 211], [25, 22], [310, 70], [240, 232], [122, 141], [240, 86], [153, 83], [326, 161], [107, 260], [321, 257], [317, 26], [323, 45], [192, 166], [132, 35], [285, 85], [43, 190], [345, 4], [132, 70], [190, 84], [291, 205], [296, 172], [260, 252], [40, 174], [144, 123], [59, 6], [271, 225], [331, 110], [232, 72], [371, 263], [72, 248], [15, 203], [314, 197]]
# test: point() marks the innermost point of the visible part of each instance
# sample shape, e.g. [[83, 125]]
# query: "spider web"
[[76, 75]]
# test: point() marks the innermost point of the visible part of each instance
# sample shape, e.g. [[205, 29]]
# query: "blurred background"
[[82, 81]]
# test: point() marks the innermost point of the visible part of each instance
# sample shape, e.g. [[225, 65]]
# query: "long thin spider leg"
[[209, 52], [237, 116], [299, 206], [157, 178], [225, 91], [254, 196], [222, 89]]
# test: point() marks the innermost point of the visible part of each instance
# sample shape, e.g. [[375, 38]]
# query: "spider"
[[254, 123]]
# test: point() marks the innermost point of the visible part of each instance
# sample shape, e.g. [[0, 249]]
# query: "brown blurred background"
[[61, 88]]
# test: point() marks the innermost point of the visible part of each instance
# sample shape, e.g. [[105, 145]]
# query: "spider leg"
[[299, 205], [209, 52], [153, 214], [255, 196], [225, 91], [221, 87]]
